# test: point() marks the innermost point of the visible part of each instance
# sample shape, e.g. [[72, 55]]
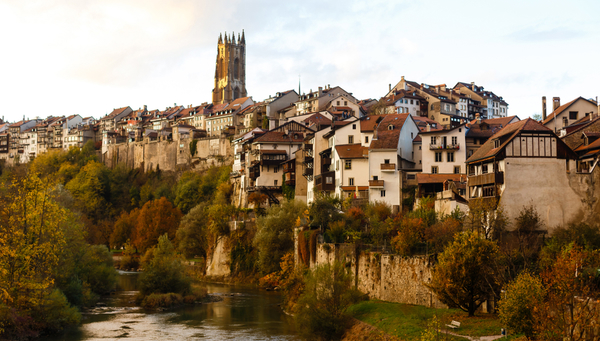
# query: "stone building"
[[230, 73]]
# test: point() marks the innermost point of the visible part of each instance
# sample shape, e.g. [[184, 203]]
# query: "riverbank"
[[408, 322]]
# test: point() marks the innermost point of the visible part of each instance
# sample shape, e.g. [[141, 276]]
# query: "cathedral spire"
[[232, 37], [226, 39], [220, 39], [243, 38], [238, 38]]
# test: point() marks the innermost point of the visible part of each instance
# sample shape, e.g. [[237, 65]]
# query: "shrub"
[[155, 301], [516, 308], [163, 271], [321, 309]]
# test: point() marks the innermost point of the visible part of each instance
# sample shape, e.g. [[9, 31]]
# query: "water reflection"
[[244, 314]]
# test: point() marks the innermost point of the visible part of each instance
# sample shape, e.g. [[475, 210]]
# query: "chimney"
[[390, 85], [320, 91], [543, 108], [473, 86], [555, 103], [402, 78], [478, 118], [428, 127]]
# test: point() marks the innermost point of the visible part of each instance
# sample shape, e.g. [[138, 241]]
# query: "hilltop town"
[[454, 143]]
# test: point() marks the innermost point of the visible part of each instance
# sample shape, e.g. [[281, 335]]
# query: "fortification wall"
[[383, 276], [169, 155]]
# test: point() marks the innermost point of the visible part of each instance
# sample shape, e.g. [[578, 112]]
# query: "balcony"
[[486, 179], [447, 146], [376, 183], [307, 172], [290, 179], [388, 167], [325, 181]]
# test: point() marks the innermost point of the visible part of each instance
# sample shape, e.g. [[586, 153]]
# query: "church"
[[230, 73]]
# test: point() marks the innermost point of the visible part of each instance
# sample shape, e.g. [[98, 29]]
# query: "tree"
[[192, 234], [275, 234], [163, 271], [517, 306], [569, 310], [321, 309], [485, 217], [90, 189], [123, 228], [156, 218], [257, 199], [466, 275]]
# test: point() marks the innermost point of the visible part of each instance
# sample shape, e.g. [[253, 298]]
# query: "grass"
[[409, 321]]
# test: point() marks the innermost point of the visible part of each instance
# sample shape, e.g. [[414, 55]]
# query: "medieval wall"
[[383, 276], [169, 155]]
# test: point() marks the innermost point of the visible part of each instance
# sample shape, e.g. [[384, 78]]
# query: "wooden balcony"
[[388, 167], [486, 179], [376, 183]]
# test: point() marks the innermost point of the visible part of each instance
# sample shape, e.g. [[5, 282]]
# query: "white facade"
[[444, 152]]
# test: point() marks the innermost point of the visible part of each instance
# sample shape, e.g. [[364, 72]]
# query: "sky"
[[64, 57]]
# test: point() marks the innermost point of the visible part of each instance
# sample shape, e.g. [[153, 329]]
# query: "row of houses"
[[400, 156]]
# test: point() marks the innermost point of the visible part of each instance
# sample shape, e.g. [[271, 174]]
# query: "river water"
[[243, 314]]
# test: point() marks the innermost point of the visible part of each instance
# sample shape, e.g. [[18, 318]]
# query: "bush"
[[163, 271], [321, 309], [155, 301], [516, 308]]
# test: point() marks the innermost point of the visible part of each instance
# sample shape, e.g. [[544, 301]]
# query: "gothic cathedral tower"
[[230, 74]]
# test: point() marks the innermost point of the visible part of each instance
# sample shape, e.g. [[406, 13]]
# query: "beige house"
[[526, 163], [567, 114], [321, 99]]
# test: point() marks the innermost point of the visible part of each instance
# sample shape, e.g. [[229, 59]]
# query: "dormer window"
[[391, 127], [496, 143]]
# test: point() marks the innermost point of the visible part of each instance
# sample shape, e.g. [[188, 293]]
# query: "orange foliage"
[[156, 218], [411, 233]]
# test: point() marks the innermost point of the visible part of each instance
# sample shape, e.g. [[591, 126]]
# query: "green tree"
[[192, 234], [275, 234], [517, 306], [163, 271], [321, 309], [467, 274], [90, 188]]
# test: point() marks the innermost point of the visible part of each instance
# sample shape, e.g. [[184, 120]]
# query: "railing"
[[484, 179], [388, 167], [447, 146], [376, 183]]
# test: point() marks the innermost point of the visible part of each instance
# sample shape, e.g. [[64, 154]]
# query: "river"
[[243, 314]]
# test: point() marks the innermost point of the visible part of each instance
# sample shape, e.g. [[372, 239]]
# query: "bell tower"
[[230, 71]]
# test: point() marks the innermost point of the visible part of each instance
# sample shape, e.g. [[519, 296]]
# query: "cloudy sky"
[[63, 57]]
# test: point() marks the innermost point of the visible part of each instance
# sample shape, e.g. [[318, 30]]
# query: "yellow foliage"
[[30, 241]]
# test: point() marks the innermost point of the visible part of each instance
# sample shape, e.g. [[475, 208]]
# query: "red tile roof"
[[276, 136], [563, 108], [388, 138], [370, 122], [352, 151]]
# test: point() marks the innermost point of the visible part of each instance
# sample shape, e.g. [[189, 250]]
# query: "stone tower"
[[230, 73]]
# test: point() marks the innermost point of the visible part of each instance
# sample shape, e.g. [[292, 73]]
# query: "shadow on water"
[[244, 313]]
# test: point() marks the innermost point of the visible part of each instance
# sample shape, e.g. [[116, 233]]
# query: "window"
[[496, 143], [275, 169], [434, 169], [274, 182], [382, 193], [454, 140], [386, 161], [573, 115], [350, 138], [354, 126], [350, 181], [484, 169], [411, 101], [348, 164], [433, 140], [438, 157], [345, 102], [450, 156], [338, 103], [456, 169], [375, 177], [329, 180], [366, 139]]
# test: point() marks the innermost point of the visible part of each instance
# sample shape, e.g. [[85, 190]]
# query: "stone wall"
[[218, 262], [384, 276], [169, 155]]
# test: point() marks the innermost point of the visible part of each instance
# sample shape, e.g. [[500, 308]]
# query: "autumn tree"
[[569, 309], [90, 188], [517, 305], [485, 217], [155, 218], [123, 228], [466, 274]]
